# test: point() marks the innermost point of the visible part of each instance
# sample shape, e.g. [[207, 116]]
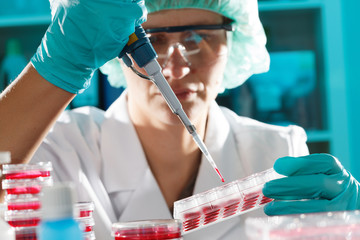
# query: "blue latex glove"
[[84, 35], [315, 183]]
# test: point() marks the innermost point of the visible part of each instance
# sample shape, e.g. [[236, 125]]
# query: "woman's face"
[[196, 82]]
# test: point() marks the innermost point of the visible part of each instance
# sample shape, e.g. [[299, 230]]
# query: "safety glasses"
[[198, 45]]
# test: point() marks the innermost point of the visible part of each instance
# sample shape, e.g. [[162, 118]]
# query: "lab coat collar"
[[154, 207], [120, 143], [116, 149]]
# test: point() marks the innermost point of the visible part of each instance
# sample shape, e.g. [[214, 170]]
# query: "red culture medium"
[[27, 174], [24, 222], [24, 206], [165, 229], [220, 203]]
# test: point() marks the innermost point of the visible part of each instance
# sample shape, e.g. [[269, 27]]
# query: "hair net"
[[247, 52]]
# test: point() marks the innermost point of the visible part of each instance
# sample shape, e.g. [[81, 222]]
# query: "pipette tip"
[[218, 172]]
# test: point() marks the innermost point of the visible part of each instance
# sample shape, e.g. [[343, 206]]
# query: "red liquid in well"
[[27, 174], [192, 221], [265, 200], [26, 236], [250, 201], [24, 223], [191, 224], [188, 228], [226, 205], [24, 190], [192, 215], [231, 208], [147, 234], [88, 228], [211, 214], [85, 213], [23, 206]]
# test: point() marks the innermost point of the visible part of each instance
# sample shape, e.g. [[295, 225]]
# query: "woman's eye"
[[201, 35], [157, 39], [205, 36], [194, 37]]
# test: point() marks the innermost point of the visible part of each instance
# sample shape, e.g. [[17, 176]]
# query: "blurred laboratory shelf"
[[301, 33], [318, 136], [24, 20], [289, 5]]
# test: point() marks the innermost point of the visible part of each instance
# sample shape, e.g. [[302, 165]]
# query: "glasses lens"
[[197, 47]]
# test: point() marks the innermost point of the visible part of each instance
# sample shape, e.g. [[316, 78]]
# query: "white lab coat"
[[101, 154]]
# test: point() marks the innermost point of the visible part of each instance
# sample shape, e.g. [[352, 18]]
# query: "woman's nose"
[[176, 65]]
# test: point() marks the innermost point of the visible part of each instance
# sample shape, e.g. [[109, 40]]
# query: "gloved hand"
[[315, 183], [84, 35]]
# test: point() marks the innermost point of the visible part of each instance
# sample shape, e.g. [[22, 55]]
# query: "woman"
[[138, 151], [136, 159]]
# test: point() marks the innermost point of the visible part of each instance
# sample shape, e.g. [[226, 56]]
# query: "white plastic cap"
[[6, 232], [5, 157], [57, 201], [3, 208]]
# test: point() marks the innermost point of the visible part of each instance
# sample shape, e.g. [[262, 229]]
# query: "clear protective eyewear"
[[198, 45]]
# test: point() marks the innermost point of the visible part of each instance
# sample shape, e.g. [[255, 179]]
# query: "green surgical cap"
[[247, 51]]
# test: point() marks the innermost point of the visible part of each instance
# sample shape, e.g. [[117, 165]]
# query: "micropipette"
[[141, 50]]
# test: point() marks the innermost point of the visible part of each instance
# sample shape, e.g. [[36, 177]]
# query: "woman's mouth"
[[184, 94]]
